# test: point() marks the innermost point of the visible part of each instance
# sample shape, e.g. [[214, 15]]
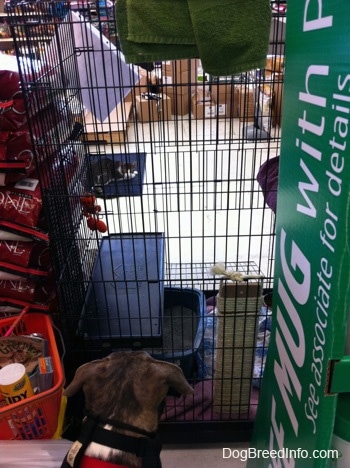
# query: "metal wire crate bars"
[[163, 149]]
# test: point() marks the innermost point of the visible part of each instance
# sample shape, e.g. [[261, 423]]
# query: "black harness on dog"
[[147, 447]]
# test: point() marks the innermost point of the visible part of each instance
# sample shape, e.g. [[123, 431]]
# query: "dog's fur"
[[129, 387]]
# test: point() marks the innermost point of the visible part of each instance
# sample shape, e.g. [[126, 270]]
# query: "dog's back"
[[123, 393]]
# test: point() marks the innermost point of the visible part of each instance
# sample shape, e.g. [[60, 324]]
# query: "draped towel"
[[229, 36]]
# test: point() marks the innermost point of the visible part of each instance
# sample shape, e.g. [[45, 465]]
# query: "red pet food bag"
[[21, 203], [24, 260], [12, 114], [25, 254], [17, 232], [16, 157]]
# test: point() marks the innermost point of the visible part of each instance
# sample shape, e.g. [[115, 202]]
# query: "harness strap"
[[139, 446], [77, 450], [120, 425], [148, 447]]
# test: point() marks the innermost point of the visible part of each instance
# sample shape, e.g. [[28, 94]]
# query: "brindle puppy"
[[128, 387]]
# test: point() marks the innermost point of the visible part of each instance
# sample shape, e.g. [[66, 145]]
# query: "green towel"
[[232, 36], [229, 36], [136, 52], [159, 22]]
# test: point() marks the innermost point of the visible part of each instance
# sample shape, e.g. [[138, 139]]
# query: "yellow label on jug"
[[14, 383]]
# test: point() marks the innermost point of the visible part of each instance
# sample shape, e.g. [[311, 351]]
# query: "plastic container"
[[341, 435], [37, 416], [124, 302], [184, 322], [61, 417]]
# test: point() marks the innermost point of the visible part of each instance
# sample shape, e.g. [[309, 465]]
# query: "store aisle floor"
[[50, 453]]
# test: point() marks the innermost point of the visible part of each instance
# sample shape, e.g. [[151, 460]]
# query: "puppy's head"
[[128, 386]]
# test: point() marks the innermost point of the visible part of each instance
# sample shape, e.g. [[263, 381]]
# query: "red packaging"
[[25, 254], [18, 143], [10, 306], [12, 114], [23, 290], [28, 291], [17, 232], [10, 84], [16, 156], [11, 272], [21, 203], [10, 88], [24, 260]]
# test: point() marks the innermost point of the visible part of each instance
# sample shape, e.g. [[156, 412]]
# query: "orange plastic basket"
[[37, 416]]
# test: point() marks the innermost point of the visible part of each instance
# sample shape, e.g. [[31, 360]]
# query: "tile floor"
[[199, 456], [200, 188], [49, 454]]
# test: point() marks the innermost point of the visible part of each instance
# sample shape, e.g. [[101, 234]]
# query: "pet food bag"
[[12, 114], [29, 290], [10, 306], [17, 232], [16, 156], [21, 202], [23, 260], [25, 254]]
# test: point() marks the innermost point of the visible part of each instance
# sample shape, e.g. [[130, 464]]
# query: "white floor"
[[200, 190], [49, 454], [198, 456]]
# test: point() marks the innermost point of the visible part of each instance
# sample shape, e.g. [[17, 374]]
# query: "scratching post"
[[238, 306]]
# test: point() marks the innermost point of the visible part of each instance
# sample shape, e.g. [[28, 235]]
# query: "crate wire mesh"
[[194, 183]]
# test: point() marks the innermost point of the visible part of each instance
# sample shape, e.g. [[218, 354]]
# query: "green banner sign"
[[295, 417]]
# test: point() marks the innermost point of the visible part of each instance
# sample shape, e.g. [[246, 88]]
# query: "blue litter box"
[[184, 321]]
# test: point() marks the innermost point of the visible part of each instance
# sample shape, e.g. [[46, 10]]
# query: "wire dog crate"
[[155, 183]]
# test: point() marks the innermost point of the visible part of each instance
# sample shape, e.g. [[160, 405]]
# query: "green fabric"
[[229, 36], [159, 22], [136, 52]]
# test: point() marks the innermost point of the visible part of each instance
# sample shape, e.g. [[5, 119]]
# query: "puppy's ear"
[[174, 377]]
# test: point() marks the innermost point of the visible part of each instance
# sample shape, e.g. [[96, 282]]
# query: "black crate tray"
[[125, 298]]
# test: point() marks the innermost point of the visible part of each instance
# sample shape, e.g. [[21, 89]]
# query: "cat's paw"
[[130, 175], [98, 190]]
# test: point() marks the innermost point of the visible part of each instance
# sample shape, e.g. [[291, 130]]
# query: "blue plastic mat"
[[128, 187], [124, 302]]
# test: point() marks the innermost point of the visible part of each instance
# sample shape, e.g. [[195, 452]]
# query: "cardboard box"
[[275, 63], [148, 82], [150, 110], [179, 72], [164, 107], [142, 86], [227, 99], [180, 98], [203, 105], [181, 65], [277, 100], [246, 105], [179, 78], [183, 89], [181, 104], [114, 129]]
